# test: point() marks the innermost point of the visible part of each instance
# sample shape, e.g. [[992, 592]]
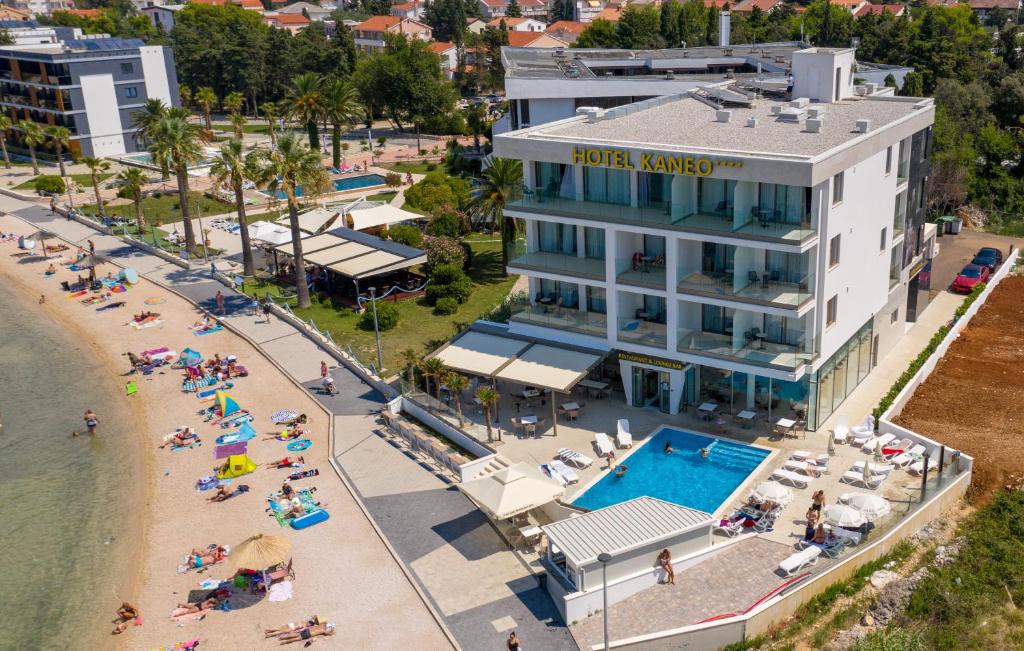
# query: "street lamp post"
[[605, 558], [376, 330]]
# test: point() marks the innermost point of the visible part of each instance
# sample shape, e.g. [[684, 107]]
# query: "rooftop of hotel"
[[691, 122]]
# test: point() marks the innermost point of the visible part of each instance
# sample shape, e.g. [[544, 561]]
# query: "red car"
[[970, 276]]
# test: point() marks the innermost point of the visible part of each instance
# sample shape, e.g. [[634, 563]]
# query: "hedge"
[[922, 357]]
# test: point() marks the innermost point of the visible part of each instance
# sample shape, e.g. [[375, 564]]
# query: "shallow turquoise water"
[[682, 477], [64, 502]]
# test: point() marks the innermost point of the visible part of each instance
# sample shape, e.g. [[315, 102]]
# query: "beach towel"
[[304, 474], [156, 351], [283, 416], [209, 393], [191, 385], [279, 509], [224, 451], [216, 328], [194, 444], [181, 615], [146, 324], [280, 591], [152, 300], [236, 420], [80, 292]]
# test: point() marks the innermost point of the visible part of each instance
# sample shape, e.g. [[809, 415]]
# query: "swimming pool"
[[683, 477], [343, 184]]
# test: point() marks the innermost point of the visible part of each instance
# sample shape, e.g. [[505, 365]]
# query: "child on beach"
[[91, 420], [126, 613]]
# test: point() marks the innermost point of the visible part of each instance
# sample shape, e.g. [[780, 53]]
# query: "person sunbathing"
[[182, 438], [325, 629], [296, 510], [288, 462], [287, 491], [205, 323], [126, 613], [290, 627], [198, 607], [51, 270], [224, 493]]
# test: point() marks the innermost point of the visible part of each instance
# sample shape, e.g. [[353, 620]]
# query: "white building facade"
[[754, 253]]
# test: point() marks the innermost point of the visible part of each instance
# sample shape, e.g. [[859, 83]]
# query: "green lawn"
[[83, 180], [418, 328], [253, 126], [383, 196], [418, 167], [165, 208]]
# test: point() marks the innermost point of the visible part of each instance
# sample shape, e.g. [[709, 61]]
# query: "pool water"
[[682, 477], [343, 184]]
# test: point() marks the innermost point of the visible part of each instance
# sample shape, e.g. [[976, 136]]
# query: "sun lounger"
[[831, 548], [820, 459], [577, 459], [800, 560], [767, 521], [877, 443], [862, 433], [913, 454], [856, 477], [729, 527], [550, 473], [603, 443], [622, 436], [565, 472], [917, 468], [848, 537], [842, 429], [876, 468], [792, 478], [805, 467]]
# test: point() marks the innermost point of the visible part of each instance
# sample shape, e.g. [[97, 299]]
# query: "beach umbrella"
[[866, 473], [90, 262], [871, 507], [41, 237], [260, 551], [772, 491], [831, 446], [842, 515]]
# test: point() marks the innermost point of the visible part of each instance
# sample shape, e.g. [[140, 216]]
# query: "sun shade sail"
[[557, 369], [482, 354]]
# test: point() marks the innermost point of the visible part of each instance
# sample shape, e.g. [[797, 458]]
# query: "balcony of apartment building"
[[895, 265], [745, 209], [903, 161], [745, 274], [556, 248], [561, 306], [899, 217], [640, 260], [745, 336], [642, 320]]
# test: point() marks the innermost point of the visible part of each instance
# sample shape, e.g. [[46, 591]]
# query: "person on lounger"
[[820, 537], [325, 629], [290, 627]]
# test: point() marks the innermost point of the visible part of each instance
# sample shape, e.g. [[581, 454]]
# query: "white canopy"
[[773, 491], [361, 218], [480, 354], [511, 491], [871, 507], [841, 515], [557, 369], [313, 221], [270, 233]]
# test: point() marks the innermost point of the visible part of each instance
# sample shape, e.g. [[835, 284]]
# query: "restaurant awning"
[[361, 217], [356, 255], [553, 368], [312, 244], [313, 221], [270, 233], [511, 491], [481, 354]]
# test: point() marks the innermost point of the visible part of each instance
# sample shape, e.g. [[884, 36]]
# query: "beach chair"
[[914, 453], [856, 477], [577, 459], [803, 467], [622, 436], [917, 468], [798, 561], [842, 429], [565, 472], [767, 521], [897, 448], [603, 443], [729, 527], [862, 433], [794, 479], [550, 472], [845, 535], [877, 443], [876, 468]]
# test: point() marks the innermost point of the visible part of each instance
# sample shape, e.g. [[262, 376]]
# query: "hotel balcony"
[[760, 353], [562, 318], [642, 320], [559, 263]]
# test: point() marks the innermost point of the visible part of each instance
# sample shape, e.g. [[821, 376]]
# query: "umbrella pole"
[[554, 417]]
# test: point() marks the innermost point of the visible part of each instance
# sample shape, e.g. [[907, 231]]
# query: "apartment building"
[[369, 34], [723, 246], [91, 85]]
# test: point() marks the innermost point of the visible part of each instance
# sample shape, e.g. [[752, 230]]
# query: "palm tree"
[[233, 102], [132, 180], [502, 183], [206, 99], [144, 122], [306, 104], [238, 124], [96, 166], [5, 126], [434, 368], [342, 107], [457, 383], [186, 95], [488, 398], [177, 143], [476, 121], [233, 168], [61, 137], [269, 111], [32, 135], [410, 359], [290, 166]]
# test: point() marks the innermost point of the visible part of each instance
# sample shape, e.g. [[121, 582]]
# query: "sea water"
[[67, 505]]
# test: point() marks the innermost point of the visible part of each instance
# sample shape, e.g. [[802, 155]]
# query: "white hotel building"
[[762, 254]]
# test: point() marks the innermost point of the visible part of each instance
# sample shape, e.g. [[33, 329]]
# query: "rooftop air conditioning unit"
[[800, 102], [814, 125], [776, 109], [816, 112], [863, 126], [751, 122], [723, 116]]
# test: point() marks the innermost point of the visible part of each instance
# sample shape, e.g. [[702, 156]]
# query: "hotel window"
[[830, 310], [131, 91], [596, 300], [563, 294], [714, 318], [882, 240], [127, 68], [920, 193], [833, 251], [837, 188], [605, 185], [554, 179], [553, 237], [715, 196], [788, 204], [655, 190], [888, 160], [593, 240]]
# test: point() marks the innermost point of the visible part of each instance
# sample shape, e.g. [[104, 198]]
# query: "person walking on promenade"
[[92, 248], [323, 369], [220, 302], [255, 304], [513, 643], [91, 420]]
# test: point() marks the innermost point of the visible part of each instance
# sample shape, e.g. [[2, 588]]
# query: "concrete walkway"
[[479, 587]]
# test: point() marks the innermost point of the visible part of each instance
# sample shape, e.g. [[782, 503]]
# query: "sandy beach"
[[343, 571]]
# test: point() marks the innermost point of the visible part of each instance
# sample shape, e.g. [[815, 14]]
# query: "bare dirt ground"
[[974, 401]]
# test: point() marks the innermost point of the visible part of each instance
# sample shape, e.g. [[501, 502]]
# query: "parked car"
[[970, 276], [988, 257]]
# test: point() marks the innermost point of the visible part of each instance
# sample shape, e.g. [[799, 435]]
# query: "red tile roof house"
[[985, 7], [566, 30], [293, 23], [491, 9], [534, 39], [878, 10], [412, 10], [767, 6], [449, 57], [370, 33], [520, 24]]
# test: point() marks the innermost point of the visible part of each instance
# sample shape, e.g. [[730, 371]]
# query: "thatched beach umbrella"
[[90, 262], [41, 236], [260, 551]]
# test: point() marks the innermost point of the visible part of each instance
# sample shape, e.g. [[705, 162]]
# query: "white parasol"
[[871, 507], [842, 515], [773, 491]]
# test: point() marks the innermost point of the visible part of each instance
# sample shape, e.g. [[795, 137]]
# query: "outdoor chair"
[[729, 527], [878, 443], [283, 572], [855, 477], [753, 277]]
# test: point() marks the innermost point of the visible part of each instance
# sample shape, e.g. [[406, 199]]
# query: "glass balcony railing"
[[770, 288], [562, 318], [643, 332], [647, 274], [563, 263], [757, 351], [758, 225]]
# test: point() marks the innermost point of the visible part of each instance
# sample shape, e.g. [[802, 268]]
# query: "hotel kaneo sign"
[[648, 162]]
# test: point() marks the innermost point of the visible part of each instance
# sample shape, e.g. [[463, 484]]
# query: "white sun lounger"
[[731, 529], [857, 477], [903, 444], [917, 468], [878, 442], [804, 467], [820, 459], [603, 443], [622, 436], [800, 560], [792, 478], [549, 471], [910, 455], [842, 429], [862, 433], [565, 472], [876, 468], [577, 459]]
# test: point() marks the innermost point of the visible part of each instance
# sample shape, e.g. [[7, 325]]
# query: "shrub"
[[448, 222], [423, 152], [436, 190], [393, 179], [387, 317], [406, 234], [157, 195], [448, 281], [443, 251], [49, 184], [447, 305]]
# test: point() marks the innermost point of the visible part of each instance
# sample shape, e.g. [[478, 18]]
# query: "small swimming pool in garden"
[[342, 184], [683, 477]]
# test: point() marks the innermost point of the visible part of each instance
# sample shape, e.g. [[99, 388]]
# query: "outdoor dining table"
[[784, 425], [570, 406], [707, 410], [746, 417], [528, 420], [531, 393], [594, 387]]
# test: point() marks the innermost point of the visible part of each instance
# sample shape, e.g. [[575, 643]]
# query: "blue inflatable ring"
[[300, 445]]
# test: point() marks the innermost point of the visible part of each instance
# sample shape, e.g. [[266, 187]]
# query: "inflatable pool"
[[300, 445], [308, 520]]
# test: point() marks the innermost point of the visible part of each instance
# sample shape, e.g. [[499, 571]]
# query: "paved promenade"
[[480, 588]]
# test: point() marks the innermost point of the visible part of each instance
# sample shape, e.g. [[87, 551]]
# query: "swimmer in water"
[[704, 452], [668, 448], [620, 470]]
